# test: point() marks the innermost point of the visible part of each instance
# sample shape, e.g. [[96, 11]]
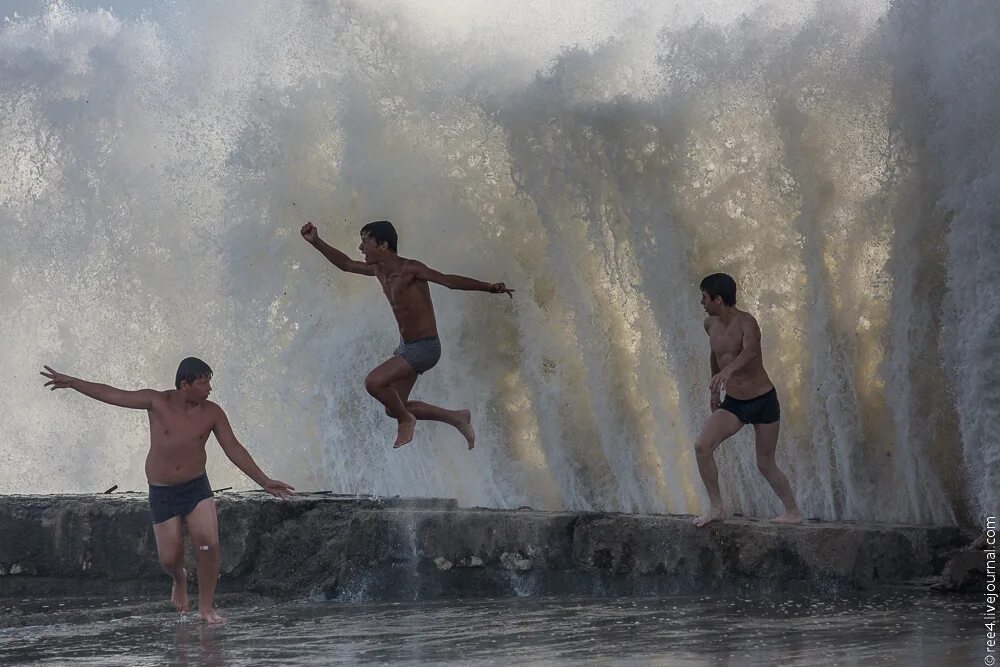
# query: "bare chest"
[[725, 340], [399, 289], [177, 427]]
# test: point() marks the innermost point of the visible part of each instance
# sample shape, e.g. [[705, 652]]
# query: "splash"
[[835, 158]]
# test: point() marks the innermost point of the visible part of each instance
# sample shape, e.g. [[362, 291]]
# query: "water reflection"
[[195, 645], [888, 628]]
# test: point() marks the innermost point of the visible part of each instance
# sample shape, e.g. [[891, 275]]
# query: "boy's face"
[[371, 250], [711, 306], [198, 390]]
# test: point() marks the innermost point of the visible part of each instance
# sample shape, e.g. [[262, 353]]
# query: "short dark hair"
[[720, 284], [191, 369], [381, 232]]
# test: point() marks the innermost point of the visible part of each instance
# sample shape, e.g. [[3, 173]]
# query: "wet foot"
[[179, 594], [464, 427], [788, 517], [405, 432], [714, 514], [210, 616]]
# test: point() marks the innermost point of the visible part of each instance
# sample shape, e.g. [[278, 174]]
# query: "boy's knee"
[[205, 545], [171, 560], [372, 385], [703, 447]]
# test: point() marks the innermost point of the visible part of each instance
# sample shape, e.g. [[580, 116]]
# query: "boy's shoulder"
[[410, 265], [214, 408], [159, 394], [747, 319]]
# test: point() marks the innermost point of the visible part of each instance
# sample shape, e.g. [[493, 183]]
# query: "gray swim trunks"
[[422, 354]]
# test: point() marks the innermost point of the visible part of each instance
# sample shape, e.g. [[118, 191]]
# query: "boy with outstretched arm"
[[180, 421], [406, 285]]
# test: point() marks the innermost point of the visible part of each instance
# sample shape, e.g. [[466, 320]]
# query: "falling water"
[[838, 158]]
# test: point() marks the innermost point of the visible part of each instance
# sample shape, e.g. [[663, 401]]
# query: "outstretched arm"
[[751, 351], [238, 454], [423, 272], [336, 257], [140, 400]]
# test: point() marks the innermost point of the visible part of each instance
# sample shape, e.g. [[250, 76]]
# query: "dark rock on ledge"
[[352, 548], [965, 571]]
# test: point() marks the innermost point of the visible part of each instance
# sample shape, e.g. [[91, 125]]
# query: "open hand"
[[56, 379], [309, 232], [278, 489], [500, 288], [719, 381]]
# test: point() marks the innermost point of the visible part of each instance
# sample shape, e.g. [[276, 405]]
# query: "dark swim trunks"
[[422, 354], [166, 502], [761, 410]]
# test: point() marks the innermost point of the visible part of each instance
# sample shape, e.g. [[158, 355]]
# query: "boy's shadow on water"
[[195, 645]]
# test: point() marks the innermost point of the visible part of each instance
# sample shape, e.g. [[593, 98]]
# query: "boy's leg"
[[460, 419], [379, 384], [170, 548], [403, 388], [203, 525], [766, 443], [719, 426]]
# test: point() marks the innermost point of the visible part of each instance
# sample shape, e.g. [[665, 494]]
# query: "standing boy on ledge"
[[180, 421], [737, 367]]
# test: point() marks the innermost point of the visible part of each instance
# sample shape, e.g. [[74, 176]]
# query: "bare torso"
[[726, 341], [178, 432], [410, 299]]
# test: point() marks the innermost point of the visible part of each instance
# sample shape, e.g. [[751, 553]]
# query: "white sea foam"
[[839, 159]]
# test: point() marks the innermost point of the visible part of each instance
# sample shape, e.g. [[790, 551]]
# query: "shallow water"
[[893, 628]]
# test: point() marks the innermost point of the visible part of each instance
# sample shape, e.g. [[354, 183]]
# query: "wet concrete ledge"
[[356, 548]]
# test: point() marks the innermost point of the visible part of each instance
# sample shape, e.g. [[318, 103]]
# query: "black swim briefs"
[[166, 502], [761, 410]]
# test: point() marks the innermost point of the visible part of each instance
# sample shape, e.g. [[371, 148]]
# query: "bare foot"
[[405, 432], [210, 616], [788, 517], [714, 514], [179, 594], [464, 427]]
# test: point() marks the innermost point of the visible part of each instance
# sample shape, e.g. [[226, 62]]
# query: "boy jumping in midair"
[[405, 284]]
